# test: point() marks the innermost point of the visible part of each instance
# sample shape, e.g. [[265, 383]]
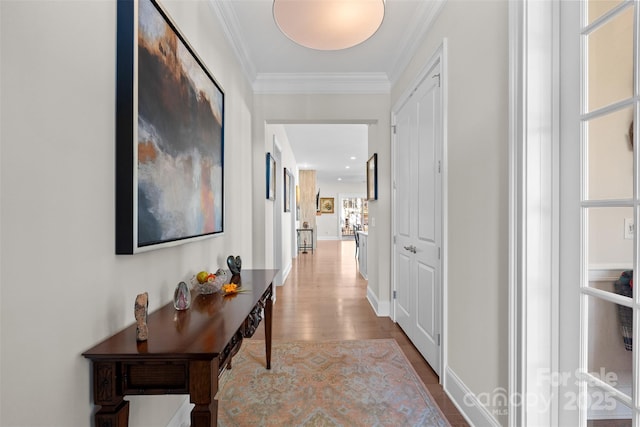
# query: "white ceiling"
[[275, 64], [336, 152]]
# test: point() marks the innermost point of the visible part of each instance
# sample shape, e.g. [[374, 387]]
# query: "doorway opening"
[[315, 161], [334, 155], [354, 215]]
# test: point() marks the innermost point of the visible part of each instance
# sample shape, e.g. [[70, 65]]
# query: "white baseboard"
[[285, 273], [382, 308], [329, 238], [182, 417], [467, 403], [606, 273]]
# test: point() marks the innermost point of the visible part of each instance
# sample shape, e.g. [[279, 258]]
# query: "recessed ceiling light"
[[347, 167], [353, 157], [339, 179]]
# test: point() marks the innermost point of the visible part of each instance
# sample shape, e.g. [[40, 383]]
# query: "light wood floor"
[[324, 298]]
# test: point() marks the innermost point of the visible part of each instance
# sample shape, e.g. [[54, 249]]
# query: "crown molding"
[[422, 23], [319, 83], [231, 28], [305, 83]]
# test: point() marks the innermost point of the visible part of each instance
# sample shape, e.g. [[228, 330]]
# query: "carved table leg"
[[203, 385], [205, 415], [113, 416], [114, 411], [268, 311]]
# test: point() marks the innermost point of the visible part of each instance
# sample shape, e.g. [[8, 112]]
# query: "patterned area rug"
[[334, 383]]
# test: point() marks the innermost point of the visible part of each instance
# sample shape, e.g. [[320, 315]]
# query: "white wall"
[[288, 161], [328, 224], [332, 108], [477, 173], [62, 288]]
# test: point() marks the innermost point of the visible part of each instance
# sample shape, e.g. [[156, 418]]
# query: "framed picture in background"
[[287, 190], [169, 135], [372, 177], [326, 205], [271, 177]]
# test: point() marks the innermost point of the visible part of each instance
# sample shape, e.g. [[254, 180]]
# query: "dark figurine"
[[234, 264]]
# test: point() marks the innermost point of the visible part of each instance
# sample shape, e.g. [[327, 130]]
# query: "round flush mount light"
[[328, 24]]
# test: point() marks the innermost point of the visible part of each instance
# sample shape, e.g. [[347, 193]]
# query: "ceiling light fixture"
[[328, 24]]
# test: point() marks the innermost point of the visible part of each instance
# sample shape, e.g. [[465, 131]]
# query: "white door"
[[418, 218]]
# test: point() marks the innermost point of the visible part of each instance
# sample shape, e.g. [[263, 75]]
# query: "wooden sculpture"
[[140, 312]]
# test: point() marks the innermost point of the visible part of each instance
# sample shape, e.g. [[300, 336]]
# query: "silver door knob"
[[408, 248]]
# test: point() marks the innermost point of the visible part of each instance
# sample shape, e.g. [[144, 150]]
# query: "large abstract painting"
[[170, 140]]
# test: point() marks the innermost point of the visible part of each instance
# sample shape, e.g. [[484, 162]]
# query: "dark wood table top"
[[199, 333]]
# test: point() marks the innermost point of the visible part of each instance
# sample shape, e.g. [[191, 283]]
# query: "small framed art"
[[372, 177], [287, 190], [271, 177], [326, 205]]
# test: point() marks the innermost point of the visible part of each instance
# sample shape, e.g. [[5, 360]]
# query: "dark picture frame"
[[169, 135], [287, 190], [372, 177], [271, 177]]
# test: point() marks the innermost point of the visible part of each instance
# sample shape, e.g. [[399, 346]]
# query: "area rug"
[[331, 383]]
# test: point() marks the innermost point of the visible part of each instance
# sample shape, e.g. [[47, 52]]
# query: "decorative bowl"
[[212, 286]]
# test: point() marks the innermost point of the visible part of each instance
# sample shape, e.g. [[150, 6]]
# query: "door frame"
[[278, 207], [439, 56], [534, 212], [294, 212]]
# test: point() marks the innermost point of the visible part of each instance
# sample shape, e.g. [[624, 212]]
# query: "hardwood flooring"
[[324, 298], [609, 423]]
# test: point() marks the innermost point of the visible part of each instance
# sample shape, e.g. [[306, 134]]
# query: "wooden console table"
[[186, 352]]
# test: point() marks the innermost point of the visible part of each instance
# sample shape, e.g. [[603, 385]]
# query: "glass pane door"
[[610, 204]]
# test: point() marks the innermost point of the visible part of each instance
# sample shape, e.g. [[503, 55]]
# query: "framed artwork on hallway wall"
[[287, 190], [271, 177], [372, 177], [326, 205], [169, 135]]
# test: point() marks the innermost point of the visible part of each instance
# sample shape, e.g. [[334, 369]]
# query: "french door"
[[607, 375]]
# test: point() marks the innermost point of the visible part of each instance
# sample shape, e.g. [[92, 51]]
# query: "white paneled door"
[[418, 217]]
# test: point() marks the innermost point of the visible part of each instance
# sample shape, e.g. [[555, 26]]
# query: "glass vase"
[[182, 297]]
